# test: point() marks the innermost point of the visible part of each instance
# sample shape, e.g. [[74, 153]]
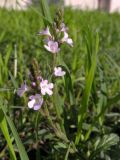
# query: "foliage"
[[81, 120]]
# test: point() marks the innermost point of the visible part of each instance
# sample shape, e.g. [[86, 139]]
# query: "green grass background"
[[19, 40]]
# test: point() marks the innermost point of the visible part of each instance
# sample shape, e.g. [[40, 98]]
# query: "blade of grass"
[[4, 128], [67, 153], [13, 80], [15, 61], [22, 152], [46, 11], [87, 91]]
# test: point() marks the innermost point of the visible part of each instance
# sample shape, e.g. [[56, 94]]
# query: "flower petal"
[[45, 32], [20, 92], [49, 92], [31, 103], [43, 91], [22, 89], [47, 47], [37, 106], [58, 72], [50, 85], [70, 42]]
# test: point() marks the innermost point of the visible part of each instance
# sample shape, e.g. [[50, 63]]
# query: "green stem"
[[54, 60], [36, 134]]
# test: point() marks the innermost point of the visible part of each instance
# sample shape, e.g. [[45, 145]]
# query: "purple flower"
[[67, 39], [46, 88], [35, 102], [52, 46], [63, 27], [22, 89], [58, 72], [46, 32]]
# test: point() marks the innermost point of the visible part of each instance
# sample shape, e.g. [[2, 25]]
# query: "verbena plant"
[[65, 115]]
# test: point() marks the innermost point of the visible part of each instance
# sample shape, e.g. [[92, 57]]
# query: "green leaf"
[[103, 144], [67, 153], [68, 84], [46, 12], [68, 80], [13, 80], [106, 142], [22, 152], [2, 36], [87, 90], [58, 104], [8, 53], [58, 101], [4, 128]]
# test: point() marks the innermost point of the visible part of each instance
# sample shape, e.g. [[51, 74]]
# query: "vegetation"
[[81, 121]]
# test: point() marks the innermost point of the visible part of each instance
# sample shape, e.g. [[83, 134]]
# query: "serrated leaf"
[[106, 142], [103, 144]]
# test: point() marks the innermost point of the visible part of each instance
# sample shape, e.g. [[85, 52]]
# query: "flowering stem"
[[55, 96], [36, 134], [15, 63], [56, 128], [54, 60], [36, 125], [48, 116]]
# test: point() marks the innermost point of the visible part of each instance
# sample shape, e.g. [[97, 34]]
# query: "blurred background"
[[106, 5]]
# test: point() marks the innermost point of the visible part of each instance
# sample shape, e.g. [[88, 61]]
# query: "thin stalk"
[[54, 60], [15, 62], [36, 135], [48, 116], [56, 128]]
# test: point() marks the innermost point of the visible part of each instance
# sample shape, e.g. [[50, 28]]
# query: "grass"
[[81, 120]]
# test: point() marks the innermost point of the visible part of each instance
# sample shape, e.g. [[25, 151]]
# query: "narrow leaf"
[[4, 128], [22, 152]]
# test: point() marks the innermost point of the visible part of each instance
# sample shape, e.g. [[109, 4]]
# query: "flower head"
[[46, 88], [52, 46], [46, 32], [22, 89], [67, 39], [35, 102], [58, 72]]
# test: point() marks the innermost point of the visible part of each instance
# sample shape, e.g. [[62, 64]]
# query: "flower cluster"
[[36, 100], [54, 36], [43, 87], [59, 36]]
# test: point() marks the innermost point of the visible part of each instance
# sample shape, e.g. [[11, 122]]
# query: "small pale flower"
[[46, 88], [67, 39], [35, 102], [58, 72], [63, 27], [22, 89], [45, 32], [52, 47]]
